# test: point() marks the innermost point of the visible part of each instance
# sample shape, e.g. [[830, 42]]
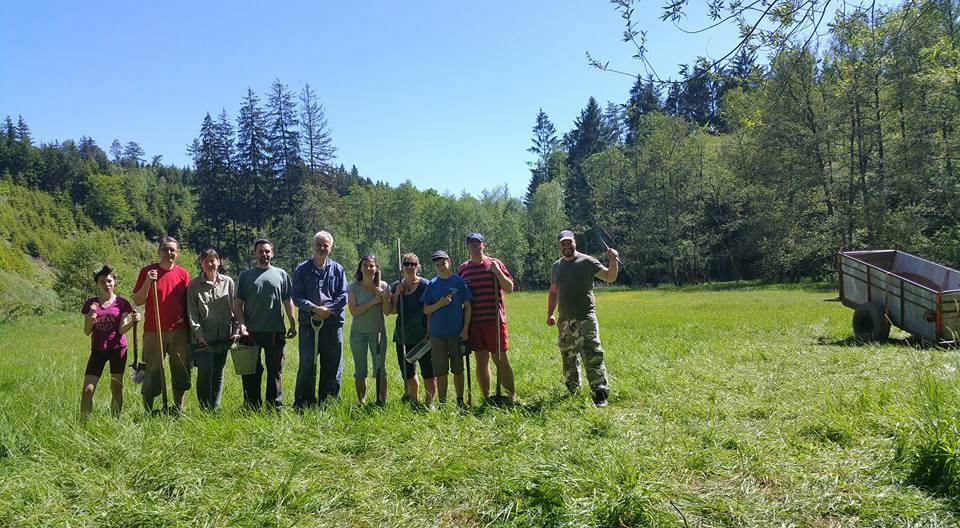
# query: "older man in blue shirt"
[[320, 292]]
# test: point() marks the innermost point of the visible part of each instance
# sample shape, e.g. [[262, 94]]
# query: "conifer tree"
[[612, 124], [213, 185], [672, 104], [8, 130], [133, 155], [89, 150], [698, 100], [317, 148], [585, 140], [23, 132], [255, 176], [284, 138], [544, 144], [116, 151], [644, 99]]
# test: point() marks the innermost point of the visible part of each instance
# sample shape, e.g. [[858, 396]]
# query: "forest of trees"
[[764, 171], [750, 171]]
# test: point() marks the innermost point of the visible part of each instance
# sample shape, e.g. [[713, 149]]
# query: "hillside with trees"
[[747, 171]]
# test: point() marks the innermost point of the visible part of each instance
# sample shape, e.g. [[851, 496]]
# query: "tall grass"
[[728, 408], [929, 444]]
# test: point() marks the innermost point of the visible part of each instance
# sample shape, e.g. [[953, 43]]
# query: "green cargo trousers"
[[579, 339]]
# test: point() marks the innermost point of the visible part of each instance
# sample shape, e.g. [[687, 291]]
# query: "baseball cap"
[[566, 234], [475, 236], [440, 254]]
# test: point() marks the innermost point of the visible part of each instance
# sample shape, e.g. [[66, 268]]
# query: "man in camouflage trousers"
[[571, 288]]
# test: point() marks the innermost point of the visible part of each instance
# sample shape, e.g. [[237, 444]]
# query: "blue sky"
[[443, 94]]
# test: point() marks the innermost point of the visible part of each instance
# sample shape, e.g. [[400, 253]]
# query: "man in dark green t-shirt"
[[571, 288], [263, 295]]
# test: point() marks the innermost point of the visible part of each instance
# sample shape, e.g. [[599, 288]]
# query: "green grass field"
[[747, 407]]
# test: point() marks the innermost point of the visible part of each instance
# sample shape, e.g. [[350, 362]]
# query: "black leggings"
[[409, 370]]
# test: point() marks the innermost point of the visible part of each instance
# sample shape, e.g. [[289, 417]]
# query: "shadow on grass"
[[748, 285], [912, 342], [533, 407]]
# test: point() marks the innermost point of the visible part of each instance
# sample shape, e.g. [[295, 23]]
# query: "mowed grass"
[[748, 407]]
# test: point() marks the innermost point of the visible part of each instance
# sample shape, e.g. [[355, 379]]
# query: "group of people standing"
[[195, 321]]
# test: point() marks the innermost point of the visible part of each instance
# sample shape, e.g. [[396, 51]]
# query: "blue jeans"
[[209, 362], [328, 355]]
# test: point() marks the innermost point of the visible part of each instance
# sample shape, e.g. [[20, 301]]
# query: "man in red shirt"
[[488, 280], [171, 281]]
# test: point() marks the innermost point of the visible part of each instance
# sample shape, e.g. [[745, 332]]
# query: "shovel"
[[163, 373], [138, 370], [465, 352], [317, 325], [499, 398]]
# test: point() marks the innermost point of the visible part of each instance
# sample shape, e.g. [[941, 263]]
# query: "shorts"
[[483, 337], [176, 346], [116, 357], [445, 355], [409, 370]]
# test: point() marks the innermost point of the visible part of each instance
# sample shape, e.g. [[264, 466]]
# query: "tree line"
[[746, 172], [763, 172]]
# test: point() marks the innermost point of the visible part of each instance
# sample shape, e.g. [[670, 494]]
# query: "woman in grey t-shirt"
[[368, 299]]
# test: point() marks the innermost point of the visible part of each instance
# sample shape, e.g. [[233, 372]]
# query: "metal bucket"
[[245, 359], [418, 351]]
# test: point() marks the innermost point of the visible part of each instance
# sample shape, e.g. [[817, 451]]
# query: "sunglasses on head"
[[409, 263]]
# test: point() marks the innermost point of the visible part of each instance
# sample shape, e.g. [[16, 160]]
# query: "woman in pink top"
[[106, 318]]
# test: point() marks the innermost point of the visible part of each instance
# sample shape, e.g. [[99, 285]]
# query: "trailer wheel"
[[869, 323]]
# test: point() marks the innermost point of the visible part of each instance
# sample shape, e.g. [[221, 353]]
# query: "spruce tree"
[[213, 185], [8, 130], [613, 124], [698, 102], [644, 99], [317, 148], [585, 140], [544, 144], [89, 150], [673, 101], [23, 132], [284, 138], [255, 175]]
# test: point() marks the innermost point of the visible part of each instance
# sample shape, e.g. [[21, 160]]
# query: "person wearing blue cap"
[[571, 289], [446, 302]]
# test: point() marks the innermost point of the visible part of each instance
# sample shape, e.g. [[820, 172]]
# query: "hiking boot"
[[600, 399]]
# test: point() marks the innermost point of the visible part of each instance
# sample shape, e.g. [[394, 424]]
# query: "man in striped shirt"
[[488, 280]]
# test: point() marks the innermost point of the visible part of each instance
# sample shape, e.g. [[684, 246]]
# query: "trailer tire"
[[870, 324]]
